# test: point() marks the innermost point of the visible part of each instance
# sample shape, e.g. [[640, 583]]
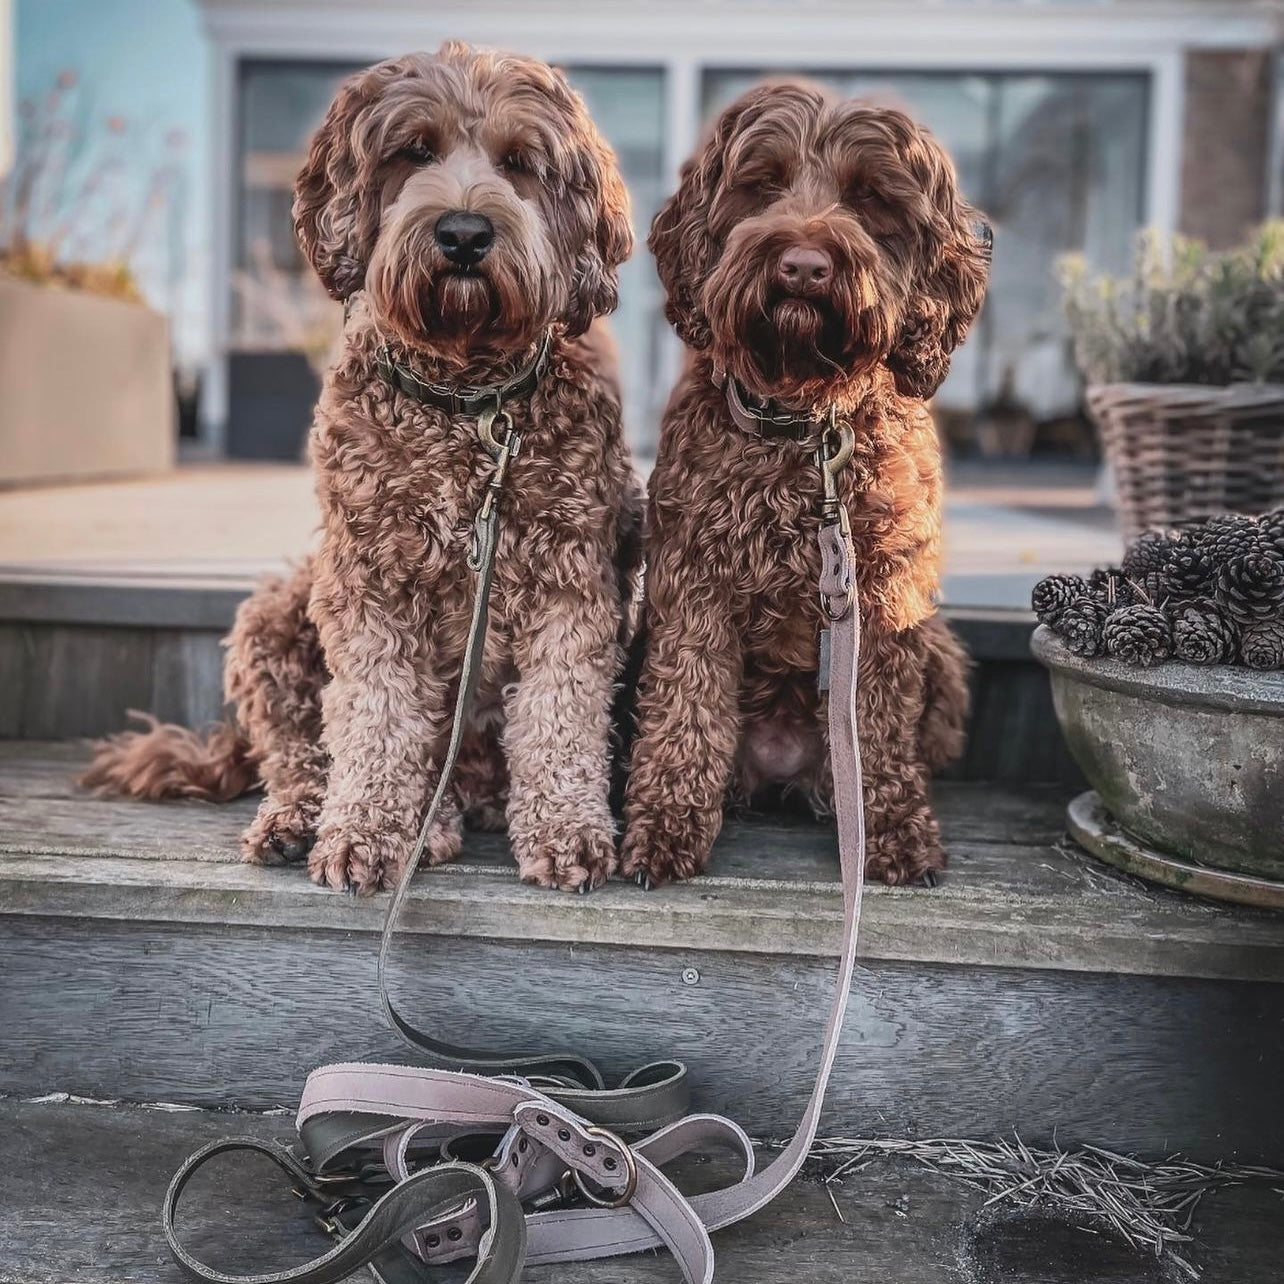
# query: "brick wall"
[[1224, 155]]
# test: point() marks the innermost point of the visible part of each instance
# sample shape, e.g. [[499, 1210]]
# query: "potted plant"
[[1168, 681], [1184, 362], [84, 363]]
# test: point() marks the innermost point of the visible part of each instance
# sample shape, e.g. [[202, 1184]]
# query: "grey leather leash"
[[516, 1160]]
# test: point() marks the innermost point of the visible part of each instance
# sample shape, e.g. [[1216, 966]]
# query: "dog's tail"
[[167, 761], [942, 728]]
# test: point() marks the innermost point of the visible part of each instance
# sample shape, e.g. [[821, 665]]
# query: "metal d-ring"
[[630, 1173]]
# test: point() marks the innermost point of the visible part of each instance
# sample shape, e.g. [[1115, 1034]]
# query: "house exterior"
[[1073, 123]]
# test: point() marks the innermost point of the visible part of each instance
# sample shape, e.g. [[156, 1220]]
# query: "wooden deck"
[[230, 522], [1033, 991], [81, 1186], [1016, 895]]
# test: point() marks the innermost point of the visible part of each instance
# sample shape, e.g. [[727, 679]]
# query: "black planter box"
[[269, 404]]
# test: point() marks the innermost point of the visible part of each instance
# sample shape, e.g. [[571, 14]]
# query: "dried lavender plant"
[[1183, 314], [1149, 1206]]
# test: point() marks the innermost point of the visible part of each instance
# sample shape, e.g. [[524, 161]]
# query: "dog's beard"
[[791, 347], [495, 308]]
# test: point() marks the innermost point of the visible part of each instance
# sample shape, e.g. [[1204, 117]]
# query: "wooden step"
[[81, 1187], [1034, 991], [79, 648]]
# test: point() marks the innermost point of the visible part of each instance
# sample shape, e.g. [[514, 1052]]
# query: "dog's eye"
[[860, 192], [419, 152], [515, 163]]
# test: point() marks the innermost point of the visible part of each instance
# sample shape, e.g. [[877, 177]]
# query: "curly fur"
[[727, 697], [343, 675]]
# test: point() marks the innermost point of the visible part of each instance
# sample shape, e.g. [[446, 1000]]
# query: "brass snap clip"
[[501, 442], [495, 430], [837, 445]]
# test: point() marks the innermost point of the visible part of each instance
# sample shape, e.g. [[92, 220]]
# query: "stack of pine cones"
[[1211, 592]]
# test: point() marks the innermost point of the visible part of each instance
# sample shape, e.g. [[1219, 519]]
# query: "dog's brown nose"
[[803, 269]]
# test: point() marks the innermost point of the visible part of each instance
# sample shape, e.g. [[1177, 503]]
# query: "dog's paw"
[[364, 859], [660, 850], [281, 833], [910, 855], [577, 858], [346, 860]]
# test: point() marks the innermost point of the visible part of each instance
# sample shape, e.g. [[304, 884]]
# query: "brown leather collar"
[[469, 400], [763, 417]]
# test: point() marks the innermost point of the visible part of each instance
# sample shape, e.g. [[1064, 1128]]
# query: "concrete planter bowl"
[[1187, 767]]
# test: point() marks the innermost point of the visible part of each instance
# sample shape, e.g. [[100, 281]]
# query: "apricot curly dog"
[[817, 257], [470, 215]]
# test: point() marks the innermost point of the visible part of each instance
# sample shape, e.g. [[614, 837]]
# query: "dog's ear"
[[336, 216], [596, 287], [684, 250], [953, 287]]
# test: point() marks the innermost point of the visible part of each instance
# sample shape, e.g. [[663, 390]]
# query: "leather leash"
[[516, 1160]]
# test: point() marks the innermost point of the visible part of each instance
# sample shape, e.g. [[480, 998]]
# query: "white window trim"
[[684, 39]]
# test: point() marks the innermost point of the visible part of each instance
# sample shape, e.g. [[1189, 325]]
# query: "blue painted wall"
[[127, 164]]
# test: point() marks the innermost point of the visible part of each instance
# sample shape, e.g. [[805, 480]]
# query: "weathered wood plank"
[[969, 810], [1014, 896], [106, 598], [1012, 735], [187, 677], [79, 681], [13, 668], [899, 1222], [237, 1016], [1102, 932]]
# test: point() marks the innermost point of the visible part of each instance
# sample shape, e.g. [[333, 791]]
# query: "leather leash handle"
[[418, 1199]]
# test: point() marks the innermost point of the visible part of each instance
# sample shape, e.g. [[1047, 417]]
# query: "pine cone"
[[1053, 594], [1112, 586], [1147, 555], [1139, 635], [1188, 571], [1271, 526], [1203, 633], [1261, 646], [1251, 586], [1229, 535], [1079, 625]]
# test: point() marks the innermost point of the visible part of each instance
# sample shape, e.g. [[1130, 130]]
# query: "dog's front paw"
[[574, 858], [908, 855], [364, 858], [660, 849], [347, 860], [282, 832]]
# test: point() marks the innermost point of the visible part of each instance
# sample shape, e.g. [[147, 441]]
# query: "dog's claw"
[[930, 878], [583, 888], [643, 880]]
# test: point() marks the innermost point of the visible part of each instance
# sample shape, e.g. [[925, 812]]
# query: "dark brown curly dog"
[[464, 206], [818, 255]]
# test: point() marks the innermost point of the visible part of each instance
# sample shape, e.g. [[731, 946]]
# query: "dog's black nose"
[[464, 237]]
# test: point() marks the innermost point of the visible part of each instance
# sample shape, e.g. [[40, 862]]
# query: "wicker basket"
[[1182, 451]]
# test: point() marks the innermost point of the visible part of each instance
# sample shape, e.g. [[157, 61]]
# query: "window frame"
[[687, 41]]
